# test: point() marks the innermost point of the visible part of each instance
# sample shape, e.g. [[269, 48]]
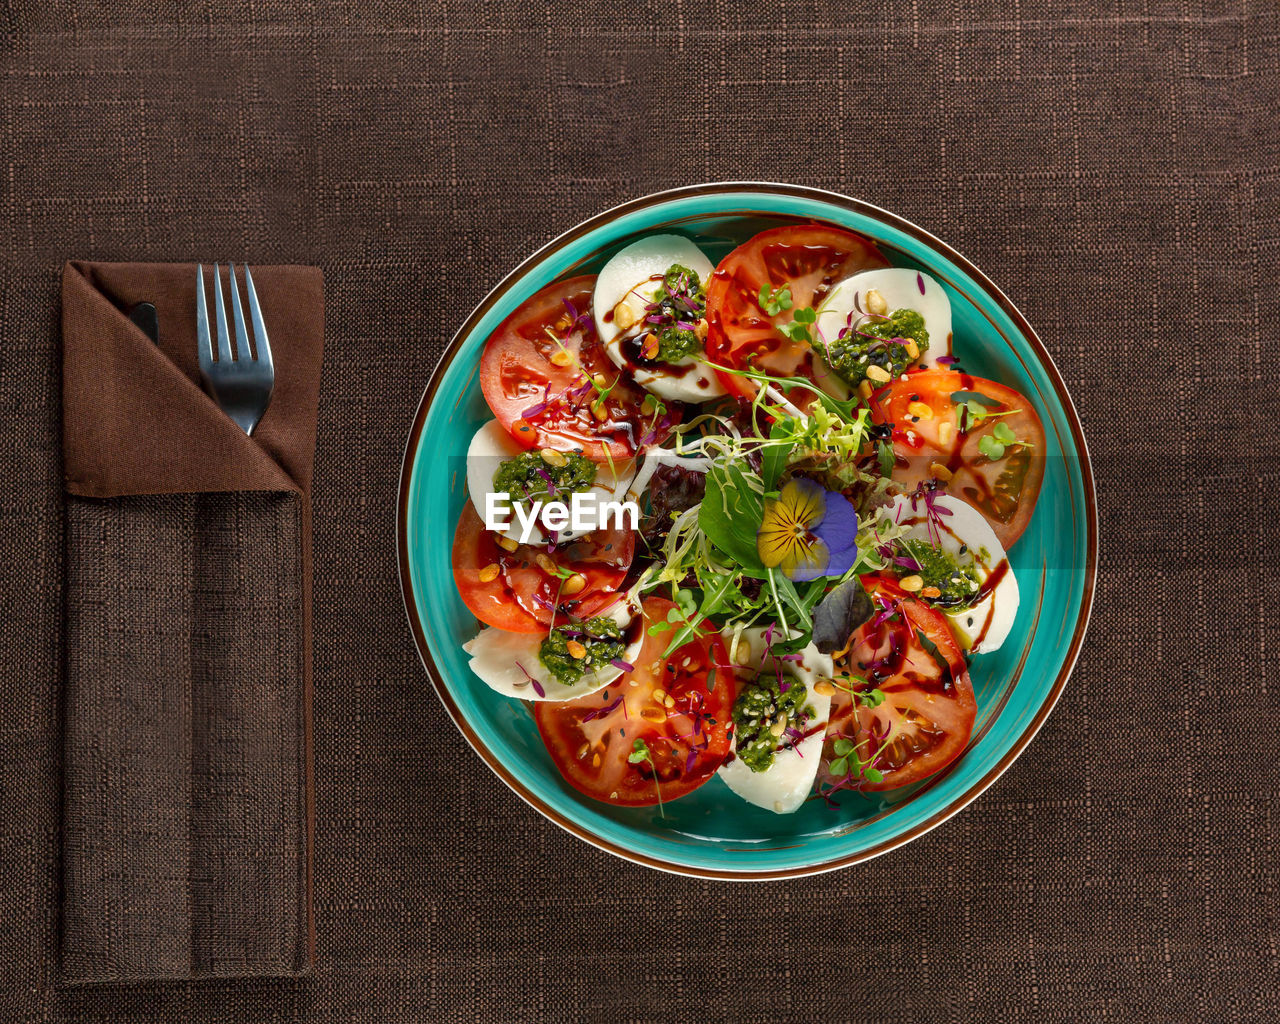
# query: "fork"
[[240, 384]]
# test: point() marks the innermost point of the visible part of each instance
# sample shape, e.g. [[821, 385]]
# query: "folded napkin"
[[188, 803]]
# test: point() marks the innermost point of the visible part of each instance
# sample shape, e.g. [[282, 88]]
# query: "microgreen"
[[800, 329], [993, 445], [640, 754], [776, 300]]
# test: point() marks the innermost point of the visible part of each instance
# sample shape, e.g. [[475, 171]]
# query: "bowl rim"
[[857, 206]]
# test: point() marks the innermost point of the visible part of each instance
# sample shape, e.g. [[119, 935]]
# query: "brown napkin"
[[188, 800]]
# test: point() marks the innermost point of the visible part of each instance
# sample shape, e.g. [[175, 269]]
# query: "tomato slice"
[[592, 738], [1003, 489], [544, 405], [522, 597], [927, 715], [806, 258]]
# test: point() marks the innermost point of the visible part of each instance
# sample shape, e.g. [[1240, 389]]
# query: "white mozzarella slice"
[[901, 288], [508, 663], [492, 445], [632, 279], [786, 783], [960, 530]]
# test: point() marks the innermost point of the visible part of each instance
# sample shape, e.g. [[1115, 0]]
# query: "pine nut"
[[507, 544], [939, 472], [876, 303], [576, 650], [864, 390], [553, 458], [911, 583], [650, 348], [623, 315], [489, 573], [655, 715], [778, 727], [545, 564], [744, 651], [824, 688], [925, 412], [561, 358], [574, 585], [913, 350], [946, 432], [660, 695], [876, 373], [930, 592], [701, 329]]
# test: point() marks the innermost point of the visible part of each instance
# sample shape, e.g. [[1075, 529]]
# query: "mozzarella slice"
[[786, 783], [508, 663], [492, 445], [901, 288], [632, 279], [960, 530]]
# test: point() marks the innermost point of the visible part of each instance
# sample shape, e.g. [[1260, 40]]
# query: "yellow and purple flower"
[[808, 531]]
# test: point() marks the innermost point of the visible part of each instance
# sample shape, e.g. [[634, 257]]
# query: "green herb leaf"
[[774, 459], [796, 330], [639, 752], [731, 512], [775, 301], [840, 766], [873, 775], [885, 457], [1003, 433], [806, 315], [990, 447]]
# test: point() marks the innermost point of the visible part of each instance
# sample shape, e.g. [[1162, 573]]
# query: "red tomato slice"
[[1004, 490], [522, 597], [544, 405], [592, 738], [927, 715], [808, 259]]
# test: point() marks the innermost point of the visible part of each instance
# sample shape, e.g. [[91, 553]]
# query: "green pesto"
[[958, 583], [520, 476], [602, 637], [759, 707], [681, 289], [853, 351]]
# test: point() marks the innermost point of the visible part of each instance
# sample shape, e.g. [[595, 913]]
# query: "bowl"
[[711, 833]]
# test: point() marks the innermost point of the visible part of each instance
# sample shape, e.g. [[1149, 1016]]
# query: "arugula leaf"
[[885, 457], [775, 455], [731, 513]]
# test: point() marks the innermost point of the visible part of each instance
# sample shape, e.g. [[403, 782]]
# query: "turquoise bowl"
[[711, 832]]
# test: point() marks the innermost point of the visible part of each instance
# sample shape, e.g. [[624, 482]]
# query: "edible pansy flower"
[[808, 531]]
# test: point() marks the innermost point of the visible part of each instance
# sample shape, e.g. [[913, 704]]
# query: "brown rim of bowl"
[[855, 206]]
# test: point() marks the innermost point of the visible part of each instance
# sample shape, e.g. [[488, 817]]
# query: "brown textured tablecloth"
[[187, 796], [1116, 167]]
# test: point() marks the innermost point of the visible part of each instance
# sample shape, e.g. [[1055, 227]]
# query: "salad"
[[822, 501]]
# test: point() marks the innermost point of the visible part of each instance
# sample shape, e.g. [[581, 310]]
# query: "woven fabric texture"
[[184, 840], [1115, 167]]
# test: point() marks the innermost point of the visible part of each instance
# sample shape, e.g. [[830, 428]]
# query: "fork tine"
[[204, 345], [243, 353], [224, 335], [259, 325]]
